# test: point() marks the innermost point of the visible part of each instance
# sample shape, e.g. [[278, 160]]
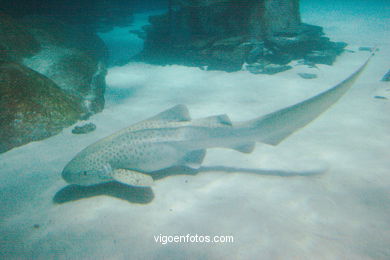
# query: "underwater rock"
[[322, 57], [310, 64], [84, 129], [258, 50], [32, 106], [73, 58], [369, 49], [76, 73], [16, 42], [49, 31], [270, 68], [225, 34], [226, 57], [380, 97], [275, 68], [255, 68], [386, 77], [305, 36], [307, 75]]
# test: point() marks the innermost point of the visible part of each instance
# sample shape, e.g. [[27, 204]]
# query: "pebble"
[[84, 129], [308, 75], [366, 48]]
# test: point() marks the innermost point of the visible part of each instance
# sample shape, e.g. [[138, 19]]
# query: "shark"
[[171, 138]]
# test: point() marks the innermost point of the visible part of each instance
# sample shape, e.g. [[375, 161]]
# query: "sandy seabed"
[[342, 212]]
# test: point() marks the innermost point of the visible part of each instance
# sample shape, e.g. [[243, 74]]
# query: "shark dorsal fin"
[[178, 113], [213, 121]]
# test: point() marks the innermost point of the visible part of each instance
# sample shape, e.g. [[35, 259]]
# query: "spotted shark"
[[172, 138]]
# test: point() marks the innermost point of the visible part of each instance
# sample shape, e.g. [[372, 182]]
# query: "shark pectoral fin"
[[193, 159], [132, 178], [245, 148]]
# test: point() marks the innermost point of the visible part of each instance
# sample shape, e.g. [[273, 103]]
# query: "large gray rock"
[[73, 58], [32, 106], [51, 75]]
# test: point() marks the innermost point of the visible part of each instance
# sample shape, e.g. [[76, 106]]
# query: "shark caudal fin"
[[275, 127]]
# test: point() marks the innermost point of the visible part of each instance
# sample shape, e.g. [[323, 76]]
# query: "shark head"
[[85, 171]]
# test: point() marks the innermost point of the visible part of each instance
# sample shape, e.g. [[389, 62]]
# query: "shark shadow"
[[183, 170], [141, 195], [144, 195]]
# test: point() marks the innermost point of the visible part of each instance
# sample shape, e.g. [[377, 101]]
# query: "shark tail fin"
[[275, 127]]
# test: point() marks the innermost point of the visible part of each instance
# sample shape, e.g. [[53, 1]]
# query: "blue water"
[[121, 43], [360, 18]]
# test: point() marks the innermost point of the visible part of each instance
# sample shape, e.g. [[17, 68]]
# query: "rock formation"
[[74, 58], [51, 75], [32, 106], [225, 34]]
